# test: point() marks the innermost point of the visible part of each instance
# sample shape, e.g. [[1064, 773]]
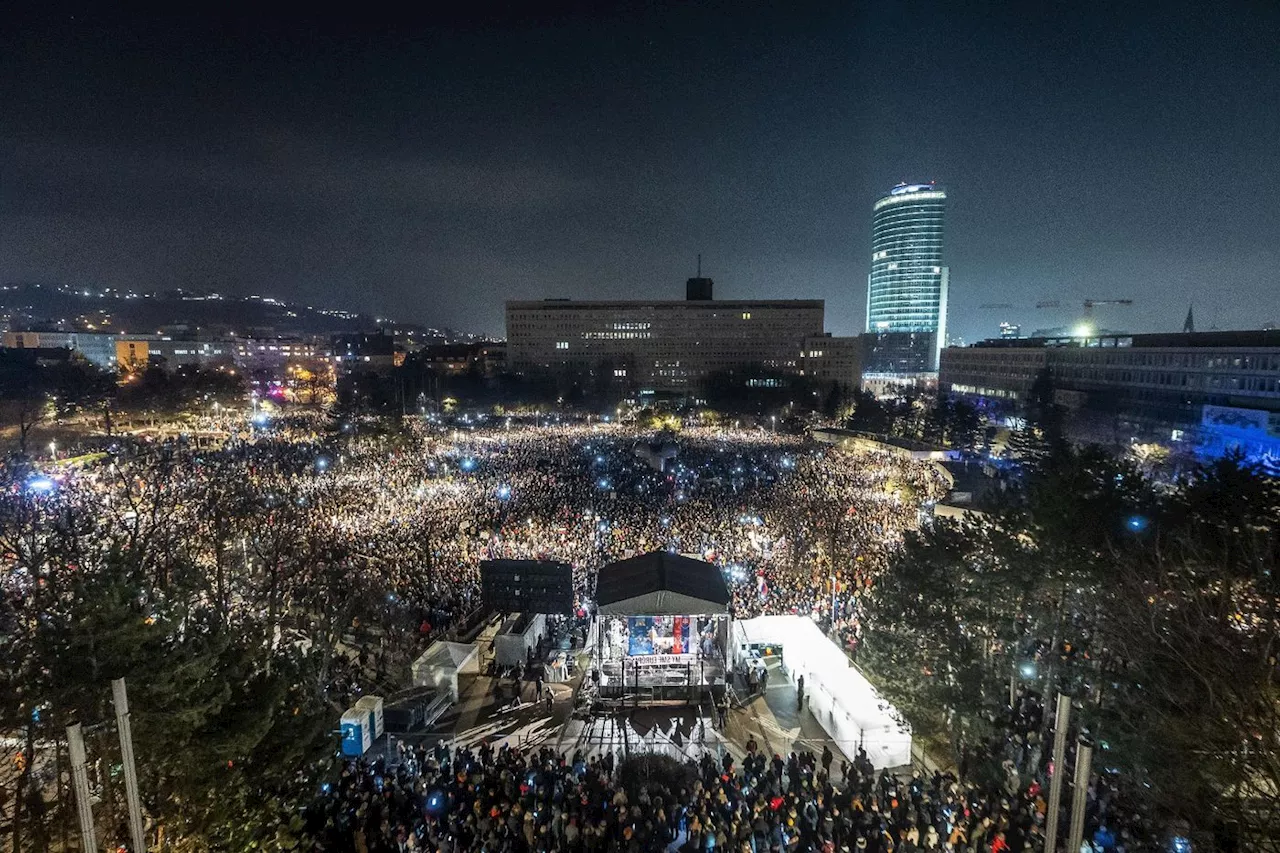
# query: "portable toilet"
[[372, 704], [356, 734]]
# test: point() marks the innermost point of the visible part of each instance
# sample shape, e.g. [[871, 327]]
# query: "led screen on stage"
[[658, 635]]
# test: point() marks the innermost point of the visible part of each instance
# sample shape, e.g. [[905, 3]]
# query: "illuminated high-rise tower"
[[907, 287]]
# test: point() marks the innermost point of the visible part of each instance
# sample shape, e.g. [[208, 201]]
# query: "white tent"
[[440, 665], [761, 631], [840, 698], [511, 648]]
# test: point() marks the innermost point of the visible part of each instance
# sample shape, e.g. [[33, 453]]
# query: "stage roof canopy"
[[661, 584]]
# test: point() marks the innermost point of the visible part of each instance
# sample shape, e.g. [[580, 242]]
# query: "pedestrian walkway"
[[677, 732], [778, 724]]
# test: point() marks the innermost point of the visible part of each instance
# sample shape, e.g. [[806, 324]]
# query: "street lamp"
[[1027, 671], [53, 450]]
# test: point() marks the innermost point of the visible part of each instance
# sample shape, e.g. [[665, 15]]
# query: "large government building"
[[673, 345], [1213, 389], [907, 285]]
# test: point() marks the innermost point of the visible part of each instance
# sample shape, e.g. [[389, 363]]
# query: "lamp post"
[[80, 784], [1080, 794], [120, 699], [1062, 720]]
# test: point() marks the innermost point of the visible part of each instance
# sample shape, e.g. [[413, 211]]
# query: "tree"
[[1155, 608], [228, 726], [941, 624], [312, 380], [34, 390], [869, 414], [967, 602], [187, 388], [959, 423], [1042, 434], [1150, 457], [1193, 710]]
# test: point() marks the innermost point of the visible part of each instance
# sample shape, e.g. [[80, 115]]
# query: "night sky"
[[430, 170]]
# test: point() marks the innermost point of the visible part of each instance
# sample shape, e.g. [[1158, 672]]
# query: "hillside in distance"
[[62, 308]]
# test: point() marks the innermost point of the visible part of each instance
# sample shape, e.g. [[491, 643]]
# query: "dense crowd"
[[796, 528], [506, 799]]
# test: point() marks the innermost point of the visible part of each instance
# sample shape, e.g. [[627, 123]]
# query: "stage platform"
[[642, 682], [660, 632]]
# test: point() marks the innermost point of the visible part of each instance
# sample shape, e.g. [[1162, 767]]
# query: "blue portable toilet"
[[372, 705], [357, 736]]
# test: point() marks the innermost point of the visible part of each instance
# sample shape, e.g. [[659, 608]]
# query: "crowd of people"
[[796, 528], [507, 799], [423, 509]]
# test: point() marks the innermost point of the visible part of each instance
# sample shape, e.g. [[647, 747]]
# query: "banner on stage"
[[663, 660], [658, 635]]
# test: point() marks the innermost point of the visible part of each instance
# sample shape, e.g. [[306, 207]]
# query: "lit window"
[[562, 344], [619, 373], [746, 315]]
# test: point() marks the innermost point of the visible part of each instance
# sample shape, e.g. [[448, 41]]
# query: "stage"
[[627, 666], [661, 631]]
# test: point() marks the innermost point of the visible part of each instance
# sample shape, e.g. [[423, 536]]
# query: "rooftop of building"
[[905, 188], [908, 192], [1155, 340]]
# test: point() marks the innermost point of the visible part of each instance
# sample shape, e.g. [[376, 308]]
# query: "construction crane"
[[1009, 306], [1089, 303]]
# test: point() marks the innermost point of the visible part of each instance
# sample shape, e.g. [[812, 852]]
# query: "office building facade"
[[908, 282], [1213, 390], [484, 358], [832, 359], [660, 345], [129, 352], [97, 348], [134, 353], [361, 352]]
